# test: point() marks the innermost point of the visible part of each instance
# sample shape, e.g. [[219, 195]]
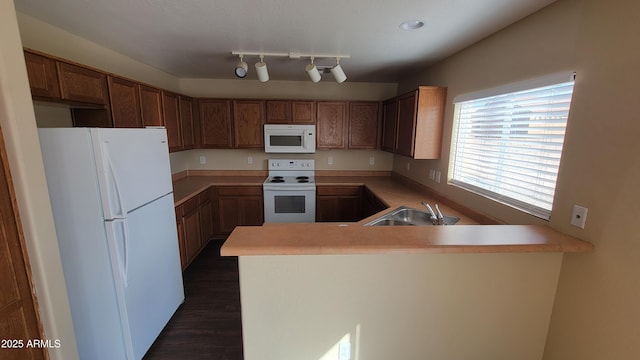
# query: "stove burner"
[[278, 177], [302, 178], [276, 180]]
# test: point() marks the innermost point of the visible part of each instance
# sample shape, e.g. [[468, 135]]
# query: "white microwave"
[[292, 139]]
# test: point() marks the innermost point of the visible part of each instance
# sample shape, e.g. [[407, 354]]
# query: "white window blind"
[[507, 147]]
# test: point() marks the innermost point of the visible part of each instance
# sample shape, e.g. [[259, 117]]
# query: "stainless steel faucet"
[[436, 217]]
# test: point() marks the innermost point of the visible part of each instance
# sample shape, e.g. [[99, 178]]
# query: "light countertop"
[[467, 236]]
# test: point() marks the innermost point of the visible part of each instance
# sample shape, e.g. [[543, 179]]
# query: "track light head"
[[261, 70], [241, 68], [312, 71], [338, 73]]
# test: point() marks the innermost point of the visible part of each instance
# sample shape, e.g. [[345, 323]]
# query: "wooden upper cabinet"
[[125, 103], [406, 124], [331, 125], [171, 115], [363, 124], [418, 131], [187, 125], [82, 84], [278, 111], [290, 112], [303, 112], [248, 121], [151, 106], [43, 76], [389, 125], [215, 123]]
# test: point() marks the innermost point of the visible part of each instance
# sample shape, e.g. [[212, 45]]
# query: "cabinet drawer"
[[190, 205], [338, 190], [240, 190]]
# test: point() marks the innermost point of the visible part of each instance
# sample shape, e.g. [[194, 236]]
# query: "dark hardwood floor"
[[208, 325]]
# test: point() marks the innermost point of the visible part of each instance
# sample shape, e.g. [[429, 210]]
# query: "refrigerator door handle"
[[119, 247], [116, 185]]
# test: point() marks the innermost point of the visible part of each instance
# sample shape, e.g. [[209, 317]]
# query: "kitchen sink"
[[408, 216]]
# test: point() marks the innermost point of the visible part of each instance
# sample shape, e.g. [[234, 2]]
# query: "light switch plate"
[[330, 160], [372, 161], [432, 174], [249, 160], [438, 176], [203, 160], [579, 216]]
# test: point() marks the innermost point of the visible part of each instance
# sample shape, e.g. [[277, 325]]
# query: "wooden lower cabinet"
[[238, 206], [338, 203], [371, 204], [195, 224], [346, 203]]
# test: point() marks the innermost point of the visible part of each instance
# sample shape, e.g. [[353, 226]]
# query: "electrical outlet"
[[344, 351], [432, 174], [579, 216], [438, 176], [203, 160], [372, 161], [330, 160], [249, 160]]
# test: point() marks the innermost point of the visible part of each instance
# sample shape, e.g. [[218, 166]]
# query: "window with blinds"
[[507, 147]]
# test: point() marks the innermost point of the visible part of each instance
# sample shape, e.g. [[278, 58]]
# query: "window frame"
[[561, 78]]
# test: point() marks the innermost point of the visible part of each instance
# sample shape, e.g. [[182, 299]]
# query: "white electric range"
[[290, 191]]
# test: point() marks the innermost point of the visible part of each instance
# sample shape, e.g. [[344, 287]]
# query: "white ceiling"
[[195, 38]]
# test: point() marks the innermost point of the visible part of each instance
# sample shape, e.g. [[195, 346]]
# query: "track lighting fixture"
[[261, 70], [241, 68], [338, 73], [312, 71]]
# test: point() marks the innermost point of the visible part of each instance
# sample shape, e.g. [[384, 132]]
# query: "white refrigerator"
[[112, 201]]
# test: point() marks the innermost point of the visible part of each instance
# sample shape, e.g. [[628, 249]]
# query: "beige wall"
[[19, 127], [398, 306], [595, 314], [52, 40], [237, 159], [52, 115]]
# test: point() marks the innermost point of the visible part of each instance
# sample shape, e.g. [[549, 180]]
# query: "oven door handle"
[[287, 188]]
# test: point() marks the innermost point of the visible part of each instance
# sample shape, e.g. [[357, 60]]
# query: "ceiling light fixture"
[[338, 73], [411, 25], [261, 70], [312, 71], [241, 68]]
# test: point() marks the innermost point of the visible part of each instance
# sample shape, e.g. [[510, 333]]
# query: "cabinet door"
[[151, 106], [187, 127], [331, 125], [389, 125], [406, 124], [215, 123], [125, 103], [181, 242], [192, 234], [206, 217], [248, 121], [278, 111], [303, 112], [363, 125], [338, 203], [82, 84], [171, 115], [238, 205], [43, 76], [429, 120]]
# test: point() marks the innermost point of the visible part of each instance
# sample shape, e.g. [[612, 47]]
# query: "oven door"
[[289, 204]]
